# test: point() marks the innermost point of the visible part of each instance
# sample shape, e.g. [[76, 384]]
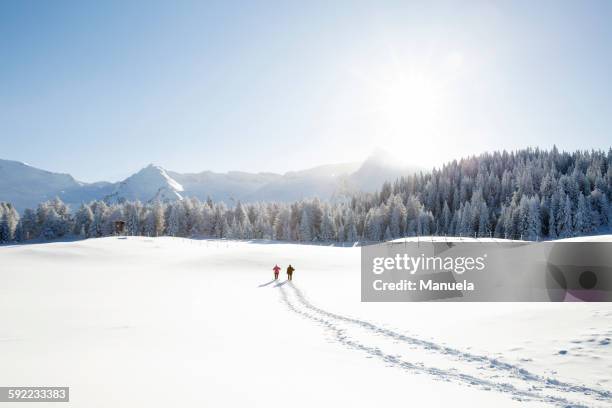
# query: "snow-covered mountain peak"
[[23, 185], [379, 167], [382, 158], [151, 183], [156, 175]]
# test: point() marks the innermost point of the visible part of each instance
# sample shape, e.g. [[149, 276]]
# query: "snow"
[[434, 238], [587, 238], [163, 322]]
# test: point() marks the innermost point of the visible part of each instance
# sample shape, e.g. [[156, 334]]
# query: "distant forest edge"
[[529, 194]]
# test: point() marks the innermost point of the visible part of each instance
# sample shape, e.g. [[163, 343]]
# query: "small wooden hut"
[[119, 227]]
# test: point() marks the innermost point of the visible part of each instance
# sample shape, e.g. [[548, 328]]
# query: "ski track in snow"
[[532, 386]]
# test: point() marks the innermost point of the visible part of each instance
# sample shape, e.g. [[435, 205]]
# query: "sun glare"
[[408, 103]]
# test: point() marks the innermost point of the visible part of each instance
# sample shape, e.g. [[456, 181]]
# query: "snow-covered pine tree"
[[83, 221], [9, 222], [4, 232], [565, 227], [304, 233], [484, 228], [582, 220], [28, 225], [133, 213], [445, 220], [328, 229], [155, 222], [397, 216], [388, 236], [534, 223], [174, 220]]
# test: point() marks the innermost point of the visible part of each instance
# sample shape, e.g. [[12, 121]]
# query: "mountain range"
[[25, 186]]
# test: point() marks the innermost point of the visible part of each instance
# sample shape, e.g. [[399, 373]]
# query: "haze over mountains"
[[25, 186]]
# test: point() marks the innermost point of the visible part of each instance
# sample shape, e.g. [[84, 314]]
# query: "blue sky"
[[100, 89]]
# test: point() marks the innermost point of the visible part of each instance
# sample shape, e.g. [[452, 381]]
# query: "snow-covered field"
[[170, 322]]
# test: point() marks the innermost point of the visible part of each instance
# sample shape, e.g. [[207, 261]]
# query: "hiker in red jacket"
[[276, 270]]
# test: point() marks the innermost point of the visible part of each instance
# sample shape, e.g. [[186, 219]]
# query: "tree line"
[[529, 194]]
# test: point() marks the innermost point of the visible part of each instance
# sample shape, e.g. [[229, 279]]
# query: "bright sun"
[[408, 104]]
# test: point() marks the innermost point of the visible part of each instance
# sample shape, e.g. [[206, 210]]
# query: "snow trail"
[[492, 363], [519, 383]]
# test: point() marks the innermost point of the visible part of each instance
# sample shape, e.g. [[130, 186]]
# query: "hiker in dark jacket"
[[290, 270]]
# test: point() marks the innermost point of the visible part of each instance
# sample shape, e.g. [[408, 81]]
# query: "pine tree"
[[534, 224], [9, 221], [445, 220], [28, 225], [305, 234], [373, 226], [328, 229], [83, 221], [133, 218], [174, 221], [155, 222], [397, 216], [483, 222], [582, 220], [388, 236], [565, 224], [4, 232]]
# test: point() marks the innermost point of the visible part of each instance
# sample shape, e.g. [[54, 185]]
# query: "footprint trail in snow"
[[441, 362]]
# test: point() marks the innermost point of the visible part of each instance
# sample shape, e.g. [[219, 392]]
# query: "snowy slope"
[[149, 184], [322, 181], [176, 322], [22, 184], [26, 186], [234, 185]]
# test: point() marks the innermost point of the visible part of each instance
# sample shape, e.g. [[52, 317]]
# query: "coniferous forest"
[[529, 194]]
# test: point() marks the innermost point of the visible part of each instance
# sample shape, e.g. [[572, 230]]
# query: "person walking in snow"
[[290, 270], [276, 270]]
